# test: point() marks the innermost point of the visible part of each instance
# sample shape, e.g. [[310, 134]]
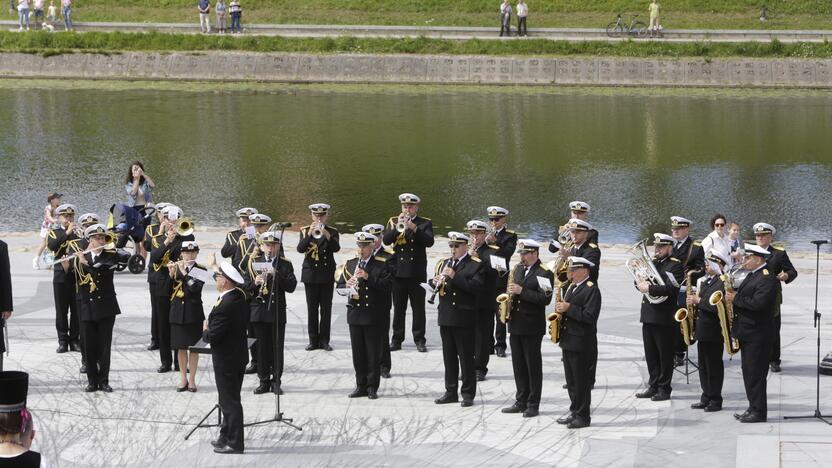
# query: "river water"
[[636, 158]]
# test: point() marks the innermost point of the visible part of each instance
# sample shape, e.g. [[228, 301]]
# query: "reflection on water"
[[637, 160]]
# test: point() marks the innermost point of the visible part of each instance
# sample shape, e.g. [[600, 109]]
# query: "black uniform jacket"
[[662, 313], [160, 256], [371, 305], [227, 332], [186, 299], [5, 288], [150, 233], [264, 302], [96, 291], [389, 255], [319, 260], [753, 304], [779, 262], [692, 256], [707, 319], [528, 309], [487, 294], [458, 295], [578, 326], [590, 251], [230, 249], [506, 245], [58, 241], [411, 257]]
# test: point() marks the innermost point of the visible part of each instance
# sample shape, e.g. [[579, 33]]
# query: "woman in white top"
[[718, 238]]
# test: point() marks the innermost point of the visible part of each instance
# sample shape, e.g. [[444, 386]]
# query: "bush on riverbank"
[[51, 43]]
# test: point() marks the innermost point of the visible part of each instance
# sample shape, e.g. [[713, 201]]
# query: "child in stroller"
[[129, 224]]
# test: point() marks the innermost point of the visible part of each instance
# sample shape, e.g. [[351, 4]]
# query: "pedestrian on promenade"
[[204, 7], [51, 12], [654, 18], [505, 18], [66, 13], [23, 13], [221, 10], [522, 13], [37, 11], [236, 15], [53, 200]]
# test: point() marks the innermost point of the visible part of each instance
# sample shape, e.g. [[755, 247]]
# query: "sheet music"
[[201, 274], [345, 292], [251, 232], [544, 283], [263, 267], [498, 263]]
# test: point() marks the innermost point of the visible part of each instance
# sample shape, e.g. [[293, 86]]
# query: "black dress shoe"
[[153, 346], [75, 347], [176, 366], [395, 346], [712, 407], [466, 403], [753, 417], [515, 408], [739, 416], [358, 392], [252, 368], [531, 412], [90, 388], [264, 387], [83, 369], [62, 348], [105, 388], [578, 423], [775, 367], [565, 385], [226, 450], [501, 352], [446, 398], [311, 347], [699, 405], [219, 443], [679, 361], [421, 348], [372, 394], [163, 368], [649, 393], [385, 373], [566, 419], [480, 376], [280, 390], [326, 347], [661, 396]]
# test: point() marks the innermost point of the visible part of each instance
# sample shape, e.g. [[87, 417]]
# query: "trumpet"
[[317, 231], [401, 226], [439, 284], [109, 244], [184, 227]]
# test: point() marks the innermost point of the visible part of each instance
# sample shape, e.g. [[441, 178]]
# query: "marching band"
[[724, 302]]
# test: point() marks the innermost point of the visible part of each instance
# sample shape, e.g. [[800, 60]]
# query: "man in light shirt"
[[522, 13]]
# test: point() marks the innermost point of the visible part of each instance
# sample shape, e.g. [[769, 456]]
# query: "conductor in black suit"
[[579, 312], [225, 330], [753, 326], [5, 296]]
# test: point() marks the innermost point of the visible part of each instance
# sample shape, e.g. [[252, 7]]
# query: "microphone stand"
[[277, 349], [816, 317]]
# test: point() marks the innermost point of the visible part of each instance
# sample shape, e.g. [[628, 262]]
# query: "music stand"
[[816, 317], [278, 343]]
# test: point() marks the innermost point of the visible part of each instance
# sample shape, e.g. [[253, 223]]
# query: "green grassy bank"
[[676, 14], [50, 44]]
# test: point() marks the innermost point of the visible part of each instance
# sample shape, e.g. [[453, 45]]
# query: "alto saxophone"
[[725, 312], [686, 315], [504, 299], [555, 318]]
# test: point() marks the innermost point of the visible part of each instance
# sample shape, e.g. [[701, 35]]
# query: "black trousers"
[[229, 383], [754, 373], [505, 24], [366, 355], [163, 329], [578, 383], [711, 370], [775, 346], [483, 340], [98, 340], [658, 352], [458, 353], [386, 361], [499, 331], [66, 313], [404, 289], [81, 333], [522, 30], [266, 368], [253, 351], [528, 368], [593, 365], [154, 324], [319, 299]]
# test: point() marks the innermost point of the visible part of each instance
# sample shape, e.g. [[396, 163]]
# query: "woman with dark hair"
[[718, 238], [17, 428], [138, 186]]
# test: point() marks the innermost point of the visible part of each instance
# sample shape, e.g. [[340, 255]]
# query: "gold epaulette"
[[545, 267], [390, 251], [476, 259], [593, 245], [778, 248], [697, 243], [674, 259], [765, 271], [590, 284], [380, 258], [338, 272], [493, 247], [510, 231], [426, 219]]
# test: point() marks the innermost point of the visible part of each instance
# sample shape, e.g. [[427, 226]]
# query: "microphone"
[[820, 242]]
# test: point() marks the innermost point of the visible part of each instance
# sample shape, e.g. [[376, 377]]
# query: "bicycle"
[[619, 28]]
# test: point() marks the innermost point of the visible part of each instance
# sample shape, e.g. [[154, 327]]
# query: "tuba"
[[184, 227], [686, 315], [504, 299], [641, 267]]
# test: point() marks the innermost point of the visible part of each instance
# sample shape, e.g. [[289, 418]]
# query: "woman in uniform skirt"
[[186, 315]]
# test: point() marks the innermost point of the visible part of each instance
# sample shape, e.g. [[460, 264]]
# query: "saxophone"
[[555, 318], [686, 315], [725, 312], [504, 299]]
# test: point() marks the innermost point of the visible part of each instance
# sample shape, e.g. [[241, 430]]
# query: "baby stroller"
[[129, 225]]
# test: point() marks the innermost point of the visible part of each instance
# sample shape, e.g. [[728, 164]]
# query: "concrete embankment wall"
[[605, 71]]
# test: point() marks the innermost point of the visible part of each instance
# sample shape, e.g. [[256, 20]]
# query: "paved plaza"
[[144, 421]]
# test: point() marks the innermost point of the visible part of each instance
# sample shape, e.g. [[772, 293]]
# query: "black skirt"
[[184, 335]]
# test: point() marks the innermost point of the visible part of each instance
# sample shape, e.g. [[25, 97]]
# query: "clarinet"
[[439, 285]]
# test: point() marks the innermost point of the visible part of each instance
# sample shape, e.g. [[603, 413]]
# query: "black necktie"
[[526, 272], [362, 264]]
